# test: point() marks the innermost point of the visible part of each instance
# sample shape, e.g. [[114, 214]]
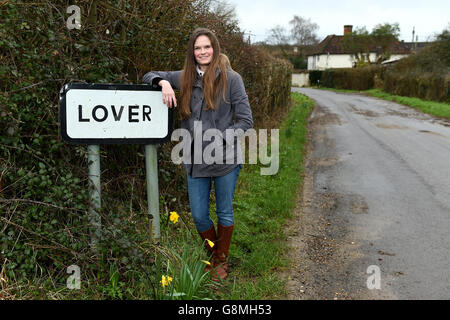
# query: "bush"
[[428, 86], [268, 82], [298, 62], [425, 75], [315, 76], [362, 78]]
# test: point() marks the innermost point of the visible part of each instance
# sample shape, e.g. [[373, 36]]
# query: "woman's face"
[[203, 51]]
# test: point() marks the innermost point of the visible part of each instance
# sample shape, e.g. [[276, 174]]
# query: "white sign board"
[[110, 113]]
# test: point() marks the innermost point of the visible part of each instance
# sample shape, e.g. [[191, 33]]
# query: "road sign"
[[95, 114], [114, 114]]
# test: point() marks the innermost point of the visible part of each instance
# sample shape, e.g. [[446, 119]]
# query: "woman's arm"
[[240, 104], [153, 77], [167, 80]]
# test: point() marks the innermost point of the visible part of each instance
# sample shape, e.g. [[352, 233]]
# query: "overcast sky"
[[427, 16]]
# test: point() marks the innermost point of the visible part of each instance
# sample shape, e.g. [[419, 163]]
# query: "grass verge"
[[171, 270], [263, 206]]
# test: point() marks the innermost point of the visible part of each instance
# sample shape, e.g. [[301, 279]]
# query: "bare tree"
[[277, 36], [303, 31], [224, 10]]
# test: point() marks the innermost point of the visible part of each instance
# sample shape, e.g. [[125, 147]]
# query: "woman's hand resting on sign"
[[168, 94]]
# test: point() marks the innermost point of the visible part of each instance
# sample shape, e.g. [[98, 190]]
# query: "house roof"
[[417, 46], [332, 45]]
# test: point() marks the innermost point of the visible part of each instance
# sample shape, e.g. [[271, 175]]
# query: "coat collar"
[[200, 73], [198, 80]]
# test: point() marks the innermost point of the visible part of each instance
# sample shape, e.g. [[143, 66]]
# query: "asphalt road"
[[379, 198]]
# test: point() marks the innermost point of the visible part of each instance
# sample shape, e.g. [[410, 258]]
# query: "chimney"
[[348, 29]]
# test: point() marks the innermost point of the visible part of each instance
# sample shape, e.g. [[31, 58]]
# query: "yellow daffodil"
[[166, 280], [211, 244], [174, 217], [206, 262]]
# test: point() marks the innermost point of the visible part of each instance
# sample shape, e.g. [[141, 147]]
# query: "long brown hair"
[[212, 86]]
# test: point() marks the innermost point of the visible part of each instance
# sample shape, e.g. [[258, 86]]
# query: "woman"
[[211, 94]]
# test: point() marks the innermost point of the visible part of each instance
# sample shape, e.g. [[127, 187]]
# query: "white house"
[[331, 54]]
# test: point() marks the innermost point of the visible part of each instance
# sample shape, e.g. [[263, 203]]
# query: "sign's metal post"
[[94, 194], [151, 166]]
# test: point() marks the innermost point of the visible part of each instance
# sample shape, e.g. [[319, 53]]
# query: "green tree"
[[383, 36], [298, 62], [360, 43], [442, 46]]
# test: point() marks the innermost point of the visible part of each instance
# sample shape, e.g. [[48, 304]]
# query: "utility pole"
[[414, 44]]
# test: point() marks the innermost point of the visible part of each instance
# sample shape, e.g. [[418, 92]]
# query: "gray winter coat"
[[236, 104]]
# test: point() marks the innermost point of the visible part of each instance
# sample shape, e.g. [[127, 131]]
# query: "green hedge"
[[424, 75], [363, 78], [411, 83], [315, 76], [268, 82], [428, 86]]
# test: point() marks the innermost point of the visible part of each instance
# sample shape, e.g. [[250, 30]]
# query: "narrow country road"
[[376, 195]]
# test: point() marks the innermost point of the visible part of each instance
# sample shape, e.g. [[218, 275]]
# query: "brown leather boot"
[[224, 235], [210, 235]]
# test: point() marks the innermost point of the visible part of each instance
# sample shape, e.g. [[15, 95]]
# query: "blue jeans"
[[199, 190]]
